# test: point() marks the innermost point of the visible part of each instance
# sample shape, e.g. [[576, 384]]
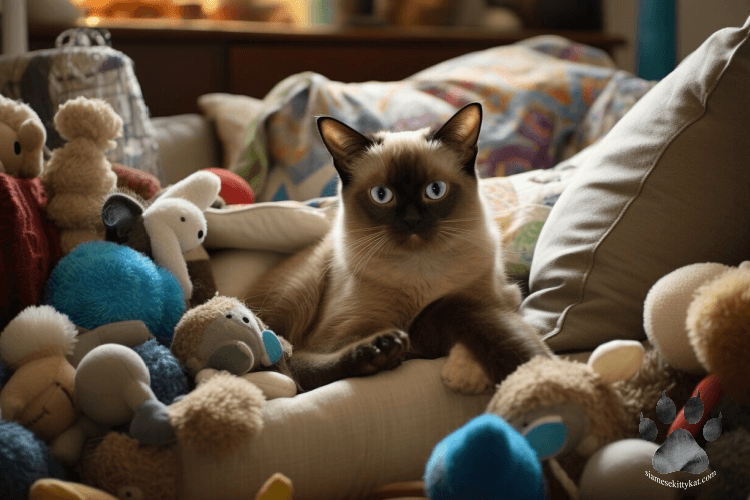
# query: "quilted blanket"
[[544, 99]]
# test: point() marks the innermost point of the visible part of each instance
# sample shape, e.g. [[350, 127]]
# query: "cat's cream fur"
[[414, 277]]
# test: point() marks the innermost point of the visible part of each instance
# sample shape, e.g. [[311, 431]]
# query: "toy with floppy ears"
[[22, 138], [223, 334], [171, 226]]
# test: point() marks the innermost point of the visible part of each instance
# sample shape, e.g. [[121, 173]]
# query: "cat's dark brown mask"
[[406, 181]]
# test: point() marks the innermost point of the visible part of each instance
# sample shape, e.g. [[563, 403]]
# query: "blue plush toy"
[[168, 380], [487, 458], [24, 458], [101, 282]]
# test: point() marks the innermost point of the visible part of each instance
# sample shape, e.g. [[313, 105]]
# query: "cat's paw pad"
[[462, 373], [383, 351], [680, 452]]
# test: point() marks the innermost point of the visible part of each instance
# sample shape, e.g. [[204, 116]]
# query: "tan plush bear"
[[22, 137], [40, 393], [78, 175]]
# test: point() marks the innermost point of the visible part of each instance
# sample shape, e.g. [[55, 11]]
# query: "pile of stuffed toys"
[[113, 342], [121, 350]]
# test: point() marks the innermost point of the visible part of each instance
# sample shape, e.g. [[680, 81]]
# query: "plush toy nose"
[[200, 234]]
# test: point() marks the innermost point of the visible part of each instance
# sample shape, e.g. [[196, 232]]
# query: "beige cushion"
[[668, 186], [231, 115], [234, 270], [187, 144], [342, 440], [282, 226]]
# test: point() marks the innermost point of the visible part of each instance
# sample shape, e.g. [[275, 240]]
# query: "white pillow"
[[281, 226], [342, 440]]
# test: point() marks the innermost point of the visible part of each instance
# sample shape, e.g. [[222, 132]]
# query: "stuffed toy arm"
[[129, 333]]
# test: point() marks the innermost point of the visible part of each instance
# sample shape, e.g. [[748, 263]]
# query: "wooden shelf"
[[177, 61]]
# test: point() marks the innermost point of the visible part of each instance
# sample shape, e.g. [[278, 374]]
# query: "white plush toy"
[[174, 224]]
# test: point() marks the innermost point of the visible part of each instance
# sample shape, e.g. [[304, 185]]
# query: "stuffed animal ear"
[[120, 213], [32, 135], [617, 359], [200, 188], [547, 436]]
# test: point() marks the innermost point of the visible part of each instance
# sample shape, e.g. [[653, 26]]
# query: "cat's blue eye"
[[436, 190], [381, 194]]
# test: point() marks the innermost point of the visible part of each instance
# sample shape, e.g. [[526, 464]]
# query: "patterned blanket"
[[544, 99]]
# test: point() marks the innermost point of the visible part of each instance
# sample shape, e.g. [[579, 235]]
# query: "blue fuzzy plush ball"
[[101, 282], [24, 458], [486, 458], [168, 380]]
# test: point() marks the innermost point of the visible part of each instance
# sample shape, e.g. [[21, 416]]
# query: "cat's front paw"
[[463, 373], [382, 351]]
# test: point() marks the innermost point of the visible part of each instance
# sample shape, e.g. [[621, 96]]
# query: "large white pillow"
[[666, 187], [340, 441]]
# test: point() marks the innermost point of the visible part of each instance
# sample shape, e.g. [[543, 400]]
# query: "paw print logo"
[[680, 452]]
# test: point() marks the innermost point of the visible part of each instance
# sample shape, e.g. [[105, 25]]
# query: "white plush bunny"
[[171, 226], [176, 224]]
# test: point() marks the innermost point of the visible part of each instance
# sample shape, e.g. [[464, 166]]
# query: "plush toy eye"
[[229, 316], [246, 320], [436, 190], [129, 493], [182, 219], [17, 147], [381, 194]]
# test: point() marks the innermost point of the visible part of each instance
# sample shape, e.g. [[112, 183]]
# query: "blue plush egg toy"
[[101, 282], [484, 459]]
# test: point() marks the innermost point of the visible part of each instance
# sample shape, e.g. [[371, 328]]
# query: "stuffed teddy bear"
[[698, 317], [598, 402], [223, 334], [22, 138], [78, 175], [221, 414], [169, 227]]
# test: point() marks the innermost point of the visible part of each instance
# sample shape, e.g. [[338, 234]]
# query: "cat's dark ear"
[[343, 142], [461, 133]]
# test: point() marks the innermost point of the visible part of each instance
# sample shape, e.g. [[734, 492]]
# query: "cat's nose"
[[412, 217]]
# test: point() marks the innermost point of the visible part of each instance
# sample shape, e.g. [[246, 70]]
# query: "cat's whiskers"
[[467, 236], [367, 254], [372, 228], [443, 239]]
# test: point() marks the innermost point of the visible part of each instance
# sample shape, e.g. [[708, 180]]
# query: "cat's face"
[[418, 190]]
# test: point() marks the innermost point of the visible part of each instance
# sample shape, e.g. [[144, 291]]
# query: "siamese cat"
[[412, 266]]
